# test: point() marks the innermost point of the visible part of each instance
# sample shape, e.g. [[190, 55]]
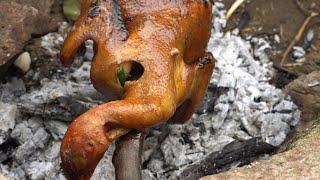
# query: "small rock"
[[17, 28], [306, 96], [23, 62], [298, 52], [313, 83], [308, 39], [310, 35]]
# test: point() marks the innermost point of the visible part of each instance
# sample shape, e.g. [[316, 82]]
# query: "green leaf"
[[122, 76], [72, 9]]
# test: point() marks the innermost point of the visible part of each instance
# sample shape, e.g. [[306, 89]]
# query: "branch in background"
[[297, 37], [302, 9], [128, 156], [233, 8]]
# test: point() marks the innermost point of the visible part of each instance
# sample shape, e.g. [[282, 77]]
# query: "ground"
[[281, 18], [301, 161], [275, 20], [298, 158]]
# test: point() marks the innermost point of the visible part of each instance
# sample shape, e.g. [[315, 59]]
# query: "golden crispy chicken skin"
[[160, 45]]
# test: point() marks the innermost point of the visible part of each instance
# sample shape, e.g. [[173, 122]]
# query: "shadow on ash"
[[242, 118]]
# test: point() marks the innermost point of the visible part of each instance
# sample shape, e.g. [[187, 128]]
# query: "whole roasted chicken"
[[149, 58]]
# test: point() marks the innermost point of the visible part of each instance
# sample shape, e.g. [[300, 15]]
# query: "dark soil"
[[282, 18]]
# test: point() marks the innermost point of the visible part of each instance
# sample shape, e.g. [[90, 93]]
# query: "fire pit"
[[243, 117]]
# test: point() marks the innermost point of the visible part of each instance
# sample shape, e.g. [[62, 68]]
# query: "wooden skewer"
[[128, 156], [234, 7], [297, 37]]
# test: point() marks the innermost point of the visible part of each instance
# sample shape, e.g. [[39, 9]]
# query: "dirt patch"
[[279, 21]]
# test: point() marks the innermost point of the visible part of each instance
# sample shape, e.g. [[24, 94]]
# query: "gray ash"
[[242, 116]]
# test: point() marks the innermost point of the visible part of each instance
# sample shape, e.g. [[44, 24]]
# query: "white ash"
[[33, 144], [299, 54], [89, 50], [56, 128], [277, 38], [249, 97], [249, 107], [83, 73], [308, 39], [40, 170], [240, 104], [52, 41], [7, 120], [12, 89]]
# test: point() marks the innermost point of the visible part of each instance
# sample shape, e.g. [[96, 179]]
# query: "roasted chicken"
[[159, 45]]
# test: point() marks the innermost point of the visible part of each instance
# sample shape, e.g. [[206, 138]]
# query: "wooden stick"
[[128, 156], [234, 7], [297, 37]]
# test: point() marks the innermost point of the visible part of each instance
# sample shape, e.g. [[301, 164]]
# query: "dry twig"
[[297, 37], [302, 9], [234, 7]]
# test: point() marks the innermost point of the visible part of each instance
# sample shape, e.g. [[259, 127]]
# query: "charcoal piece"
[[242, 152]]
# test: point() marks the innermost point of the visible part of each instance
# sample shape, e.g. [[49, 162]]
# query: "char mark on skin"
[[114, 14], [94, 10], [204, 61]]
